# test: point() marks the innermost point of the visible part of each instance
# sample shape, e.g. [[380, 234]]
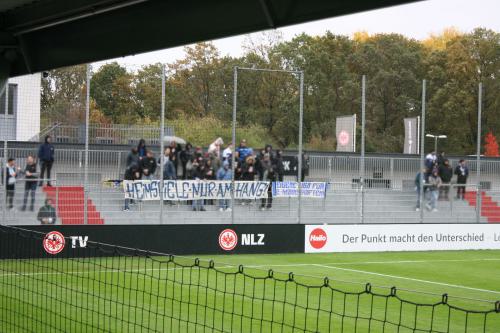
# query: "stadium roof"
[[38, 35]]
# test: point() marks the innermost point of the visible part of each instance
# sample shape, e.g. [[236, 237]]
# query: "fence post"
[[86, 171], [301, 121], [233, 140], [478, 154], [162, 134], [422, 155], [362, 161], [4, 182]]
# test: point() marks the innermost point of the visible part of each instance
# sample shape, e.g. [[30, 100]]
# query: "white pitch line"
[[407, 278], [101, 271], [376, 262]]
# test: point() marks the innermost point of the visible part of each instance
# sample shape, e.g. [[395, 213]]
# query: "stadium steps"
[[70, 202], [490, 208], [381, 206]]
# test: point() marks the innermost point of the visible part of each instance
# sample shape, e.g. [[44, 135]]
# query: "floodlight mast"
[[301, 116], [436, 138]]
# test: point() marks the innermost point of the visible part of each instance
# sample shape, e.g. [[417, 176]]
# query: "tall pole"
[[162, 136], [86, 167], [436, 144], [422, 155], [301, 121], [233, 140], [4, 166], [478, 153], [362, 161]]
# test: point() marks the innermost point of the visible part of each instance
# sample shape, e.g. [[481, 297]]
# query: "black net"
[[104, 288]]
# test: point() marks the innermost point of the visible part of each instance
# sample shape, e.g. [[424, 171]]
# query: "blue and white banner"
[[193, 189], [291, 190]]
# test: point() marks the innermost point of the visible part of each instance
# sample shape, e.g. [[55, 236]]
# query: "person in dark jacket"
[[280, 170], [305, 167], [132, 157], [462, 172], [11, 173], [446, 174], [141, 149], [421, 177], [269, 175], [47, 214], [133, 172], [30, 175], [46, 154], [148, 165], [186, 157]]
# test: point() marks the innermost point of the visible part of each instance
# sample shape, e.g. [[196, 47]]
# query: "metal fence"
[[105, 134], [386, 196]]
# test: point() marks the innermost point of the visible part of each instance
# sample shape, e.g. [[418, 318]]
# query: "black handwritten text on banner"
[[193, 189]]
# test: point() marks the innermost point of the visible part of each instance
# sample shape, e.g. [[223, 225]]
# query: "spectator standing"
[[47, 213], [462, 172], [141, 149], [440, 159], [30, 176], [226, 154], [244, 151], [280, 170], [198, 174], [305, 167], [174, 155], [446, 174], [132, 172], [46, 153], [215, 148], [224, 174], [186, 157], [11, 173], [148, 165], [420, 177], [248, 174], [269, 175], [434, 183], [430, 162], [169, 172], [132, 157]]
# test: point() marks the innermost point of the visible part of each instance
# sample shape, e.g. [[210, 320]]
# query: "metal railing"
[[387, 194], [104, 134]]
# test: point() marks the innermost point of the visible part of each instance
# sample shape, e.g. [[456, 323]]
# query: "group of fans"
[[32, 179], [437, 177], [190, 163]]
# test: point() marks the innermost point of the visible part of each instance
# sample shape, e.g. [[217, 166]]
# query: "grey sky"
[[416, 20]]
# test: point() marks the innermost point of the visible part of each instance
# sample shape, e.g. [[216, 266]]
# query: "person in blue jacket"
[[224, 173], [46, 154]]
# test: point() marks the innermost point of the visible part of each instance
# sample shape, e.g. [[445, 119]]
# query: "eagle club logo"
[[54, 242], [317, 238], [228, 239]]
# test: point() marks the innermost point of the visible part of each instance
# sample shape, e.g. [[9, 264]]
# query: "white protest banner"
[[193, 189], [291, 189], [401, 237]]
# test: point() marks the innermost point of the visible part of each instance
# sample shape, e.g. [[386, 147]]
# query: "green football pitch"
[[365, 292]]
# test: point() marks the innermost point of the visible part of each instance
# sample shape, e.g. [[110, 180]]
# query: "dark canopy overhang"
[[45, 34]]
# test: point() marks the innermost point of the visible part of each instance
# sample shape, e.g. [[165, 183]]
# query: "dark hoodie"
[[46, 151]]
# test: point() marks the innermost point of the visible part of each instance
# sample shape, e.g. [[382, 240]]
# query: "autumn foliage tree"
[[490, 145]]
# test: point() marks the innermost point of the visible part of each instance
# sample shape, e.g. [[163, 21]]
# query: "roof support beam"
[[268, 13]]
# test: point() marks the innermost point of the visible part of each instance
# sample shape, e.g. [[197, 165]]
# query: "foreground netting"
[[103, 288]]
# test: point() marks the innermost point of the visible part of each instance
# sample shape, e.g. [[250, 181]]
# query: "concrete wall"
[[28, 105]]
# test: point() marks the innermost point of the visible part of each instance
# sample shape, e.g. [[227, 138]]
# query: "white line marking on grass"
[[376, 262], [138, 270], [407, 278]]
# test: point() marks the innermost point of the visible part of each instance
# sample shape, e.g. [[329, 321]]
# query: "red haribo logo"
[[317, 238]]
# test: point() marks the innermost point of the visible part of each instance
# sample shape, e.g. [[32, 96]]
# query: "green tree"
[[111, 88]]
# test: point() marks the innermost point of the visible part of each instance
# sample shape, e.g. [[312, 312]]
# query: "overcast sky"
[[417, 20]]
